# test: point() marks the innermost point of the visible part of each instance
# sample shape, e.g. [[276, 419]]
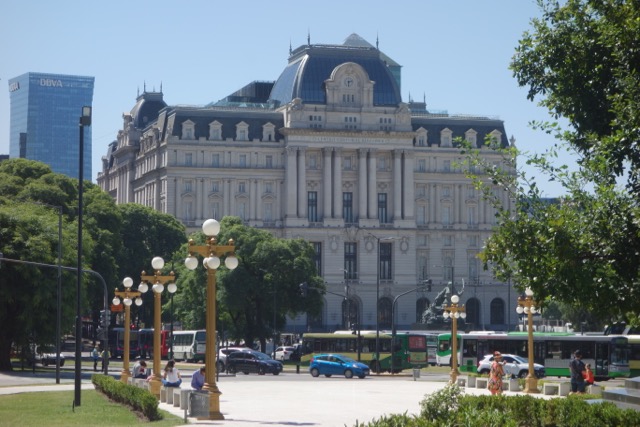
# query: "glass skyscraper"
[[45, 115]]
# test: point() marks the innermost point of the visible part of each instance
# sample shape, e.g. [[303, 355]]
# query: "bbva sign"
[[51, 82]]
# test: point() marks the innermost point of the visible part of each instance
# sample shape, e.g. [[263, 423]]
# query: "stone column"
[[409, 186], [397, 185], [337, 182], [302, 183], [291, 182], [326, 181], [372, 185], [362, 183]]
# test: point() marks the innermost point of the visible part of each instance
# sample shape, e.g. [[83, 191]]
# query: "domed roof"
[[310, 65], [147, 107]]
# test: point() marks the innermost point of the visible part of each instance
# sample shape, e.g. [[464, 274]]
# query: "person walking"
[[95, 355], [495, 375], [105, 356], [577, 369]]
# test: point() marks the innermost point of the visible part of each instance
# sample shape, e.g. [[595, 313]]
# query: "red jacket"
[[588, 376]]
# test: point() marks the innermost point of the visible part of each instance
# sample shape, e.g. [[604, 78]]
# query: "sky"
[[454, 54]]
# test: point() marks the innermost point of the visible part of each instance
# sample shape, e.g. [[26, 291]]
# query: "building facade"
[[45, 112], [329, 152]]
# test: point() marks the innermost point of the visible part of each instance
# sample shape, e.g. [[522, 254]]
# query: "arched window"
[[384, 313], [350, 314], [473, 314], [421, 306], [497, 311]]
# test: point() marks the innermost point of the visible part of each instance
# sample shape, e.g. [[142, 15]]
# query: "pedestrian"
[[171, 376], [105, 355], [589, 378], [495, 375], [140, 370], [197, 379], [95, 355], [577, 369]]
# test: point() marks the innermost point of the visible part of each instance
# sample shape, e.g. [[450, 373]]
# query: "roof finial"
[[144, 87], [377, 42], [138, 94], [290, 49], [160, 86], [424, 97], [308, 37]]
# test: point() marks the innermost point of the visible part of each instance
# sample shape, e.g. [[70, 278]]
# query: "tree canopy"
[[267, 278], [581, 61]]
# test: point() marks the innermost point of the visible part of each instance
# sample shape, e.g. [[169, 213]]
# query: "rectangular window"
[[385, 261], [313, 161], [317, 246], [269, 162], [473, 241], [382, 208], [243, 160], [446, 166], [446, 191], [346, 163], [214, 189], [351, 258], [188, 159], [242, 211], [446, 215], [215, 160], [312, 206], [268, 212], [215, 210], [471, 215], [241, 187], [421, 215], [347, 207], [268, 187], [187, 187], [188, 211], [422, 165]]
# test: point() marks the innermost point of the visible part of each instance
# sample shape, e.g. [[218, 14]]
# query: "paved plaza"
[[288, 399]]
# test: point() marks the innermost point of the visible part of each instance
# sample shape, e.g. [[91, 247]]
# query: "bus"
[[189, 345], [116, 343], [607, 354], [408, 349], [634, 355], [443, 349], [145, 343], [431, 338]]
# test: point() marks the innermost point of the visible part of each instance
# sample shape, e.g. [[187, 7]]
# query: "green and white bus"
[[189, 345], [443, 350], [409, 350], [607, 354]]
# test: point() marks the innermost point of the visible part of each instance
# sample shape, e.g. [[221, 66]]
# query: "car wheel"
[[220, 367], [348, 373], [315, 373], [523, 374], [276, 373], [483, 371], [327, 375], [361, 376], [232, 369], [261, 370], [246, 372]]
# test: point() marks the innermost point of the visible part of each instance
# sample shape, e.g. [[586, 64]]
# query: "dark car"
[[337, 364], [252, 361]]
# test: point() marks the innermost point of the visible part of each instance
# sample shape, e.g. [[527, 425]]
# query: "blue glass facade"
[[45, 113]]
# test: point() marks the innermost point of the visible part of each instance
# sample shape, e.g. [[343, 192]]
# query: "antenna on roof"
[[290, 49], [424, 97], [160, 86], [308, 37], [138, 94], [144, 90], [377, 42]]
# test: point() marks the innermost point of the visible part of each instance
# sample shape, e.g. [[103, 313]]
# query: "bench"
[[130, 380], [169, 394], [181, 397], [594, 389], [163, 394], [513, 384], [139, 382], [561, 389], [481, 382]]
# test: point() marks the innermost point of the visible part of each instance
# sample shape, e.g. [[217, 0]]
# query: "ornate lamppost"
[[127, 298], [157, 281], [527, 305], [211, 252], [454, 311]]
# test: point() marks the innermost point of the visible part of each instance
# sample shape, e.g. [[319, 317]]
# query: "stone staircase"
[[627, 397]]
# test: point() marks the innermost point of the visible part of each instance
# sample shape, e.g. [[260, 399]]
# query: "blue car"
[[337, 364]]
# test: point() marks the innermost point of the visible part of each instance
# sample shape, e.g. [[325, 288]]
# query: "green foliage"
[[138, 399], [449, 407]]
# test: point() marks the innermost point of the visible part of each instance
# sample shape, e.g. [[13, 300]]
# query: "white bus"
[[189, 345]]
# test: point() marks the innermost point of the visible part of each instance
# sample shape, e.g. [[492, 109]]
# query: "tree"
[[582, 59], [268, 267]]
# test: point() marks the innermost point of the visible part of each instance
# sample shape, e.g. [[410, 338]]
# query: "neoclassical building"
[[329, 152]]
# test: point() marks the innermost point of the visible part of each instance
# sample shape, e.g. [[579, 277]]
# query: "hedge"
[[138, 399]]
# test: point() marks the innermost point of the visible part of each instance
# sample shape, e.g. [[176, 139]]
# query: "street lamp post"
[[172, 290], [393, 319], [85, 120], [158, 281], [527, 305], [127, 298], [211, 252], [454, 311]]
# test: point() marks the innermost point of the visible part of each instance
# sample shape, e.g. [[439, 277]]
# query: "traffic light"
[[427, 284], [105, 318]]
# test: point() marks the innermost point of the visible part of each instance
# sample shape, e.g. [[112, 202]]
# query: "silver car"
[[514, 366]]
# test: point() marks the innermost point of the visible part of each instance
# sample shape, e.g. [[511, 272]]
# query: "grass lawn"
[[55, 408]]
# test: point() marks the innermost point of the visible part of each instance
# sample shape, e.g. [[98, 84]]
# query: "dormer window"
[[188, 130], [268, 132], [421, 137], [242, 131], [471, 136], [215, 131], [446, 137], [495, 137]]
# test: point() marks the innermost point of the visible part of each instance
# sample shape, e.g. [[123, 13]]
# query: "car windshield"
[[262, 356], [345, 359]]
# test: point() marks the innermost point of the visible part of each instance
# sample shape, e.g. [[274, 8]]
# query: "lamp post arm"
[[393, 319]]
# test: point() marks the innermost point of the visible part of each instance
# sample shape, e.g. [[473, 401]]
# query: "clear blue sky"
[[455, 53]]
